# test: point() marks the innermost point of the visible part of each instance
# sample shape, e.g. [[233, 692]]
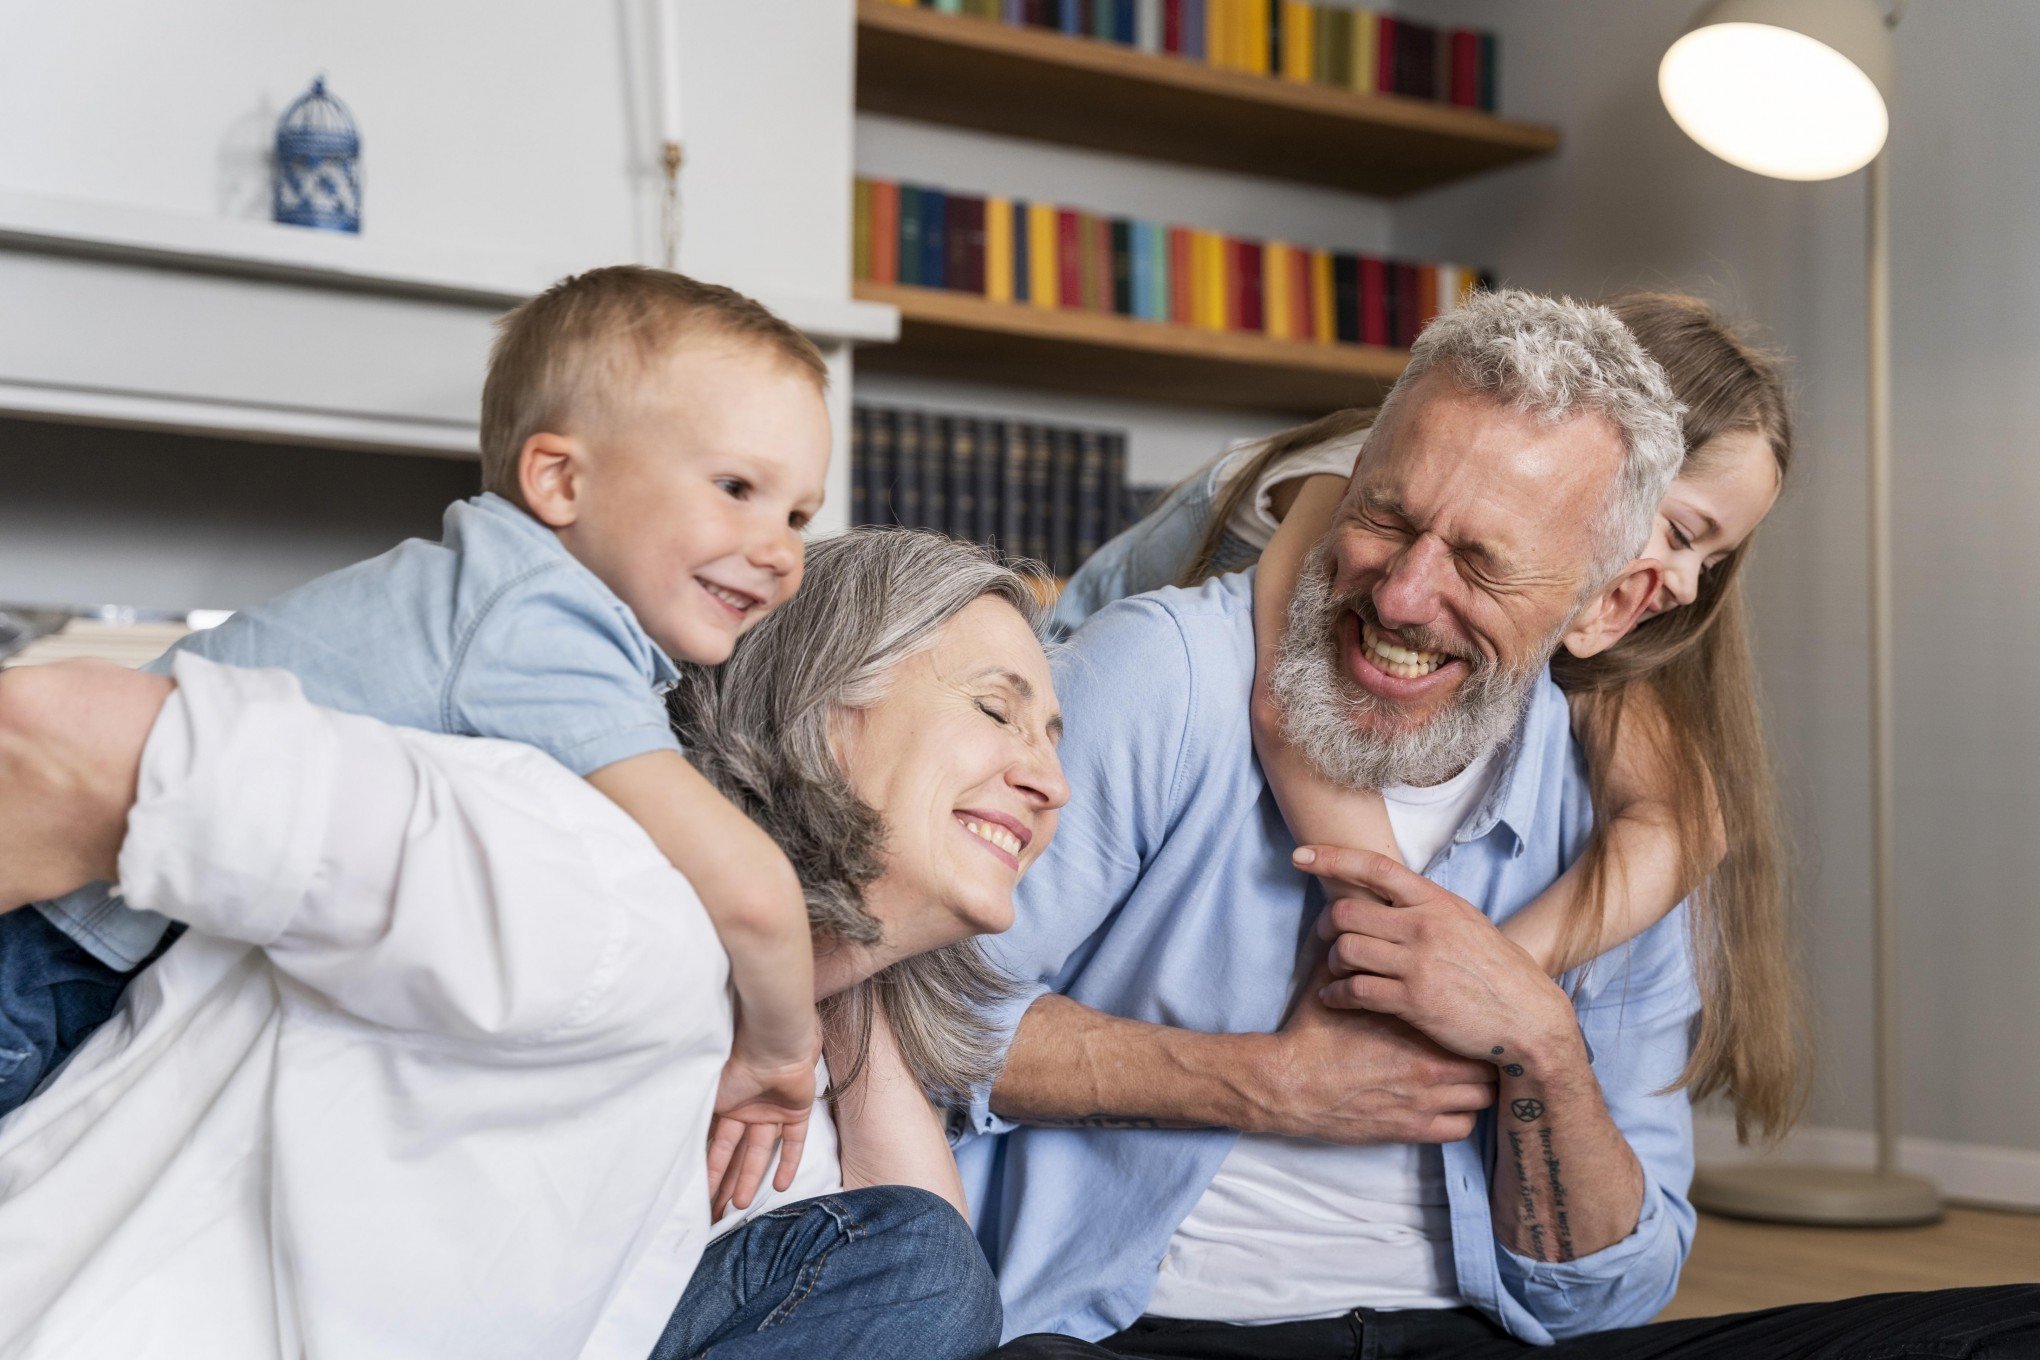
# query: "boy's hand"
[[760, 1103]]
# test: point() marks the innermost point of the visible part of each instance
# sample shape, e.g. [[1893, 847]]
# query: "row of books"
[[1326, 44], [1049, 492], [1011, 250]]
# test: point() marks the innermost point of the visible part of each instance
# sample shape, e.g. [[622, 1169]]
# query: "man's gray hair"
[[759, 727], [1553, 358]]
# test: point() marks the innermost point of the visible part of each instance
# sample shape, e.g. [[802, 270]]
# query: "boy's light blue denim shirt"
[[495, 631], [1168, 896]]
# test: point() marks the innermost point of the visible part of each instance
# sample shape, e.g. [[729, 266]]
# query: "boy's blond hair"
[[573, 351]]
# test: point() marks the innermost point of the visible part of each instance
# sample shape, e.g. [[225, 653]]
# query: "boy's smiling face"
[[687, 497]]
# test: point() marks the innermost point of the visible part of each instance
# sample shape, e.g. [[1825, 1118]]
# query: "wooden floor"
[[1737, 1266]]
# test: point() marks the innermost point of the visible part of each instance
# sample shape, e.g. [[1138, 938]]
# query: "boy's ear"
[[1614, 609], [549, 472]]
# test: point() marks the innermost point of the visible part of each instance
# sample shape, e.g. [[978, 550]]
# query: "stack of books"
[[1362, 50], [1010, 250], [1048, 492]]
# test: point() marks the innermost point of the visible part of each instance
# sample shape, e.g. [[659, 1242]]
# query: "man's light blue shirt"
[[1168, 896], [494, 631]]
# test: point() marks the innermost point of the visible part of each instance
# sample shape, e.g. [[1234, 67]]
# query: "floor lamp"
[[1799, 89]]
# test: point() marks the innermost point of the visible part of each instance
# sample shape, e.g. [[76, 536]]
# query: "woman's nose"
[[1040, 776]]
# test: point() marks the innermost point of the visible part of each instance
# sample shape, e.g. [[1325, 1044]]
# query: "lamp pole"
[[1883, 830]]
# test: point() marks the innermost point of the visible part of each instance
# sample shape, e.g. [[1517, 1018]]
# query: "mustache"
[[1417, 638]]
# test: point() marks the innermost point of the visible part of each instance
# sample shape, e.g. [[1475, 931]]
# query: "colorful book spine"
[[997, 262], [1069, 242], [1018, 253], [1360, 59], [1044, 282], [1016, 236], [1315, 41]]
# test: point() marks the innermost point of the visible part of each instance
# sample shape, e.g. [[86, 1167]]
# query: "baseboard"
[[1971, 1173]]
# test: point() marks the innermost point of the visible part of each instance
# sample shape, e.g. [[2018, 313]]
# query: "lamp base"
[[1821, 1195]]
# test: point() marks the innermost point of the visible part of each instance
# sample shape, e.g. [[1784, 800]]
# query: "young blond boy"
[[652, 448]]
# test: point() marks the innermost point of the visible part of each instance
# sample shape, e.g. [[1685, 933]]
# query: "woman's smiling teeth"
[[993, 835], [1401, 662]]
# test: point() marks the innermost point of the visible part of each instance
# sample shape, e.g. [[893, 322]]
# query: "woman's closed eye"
[[992, 712], [1679, 537]]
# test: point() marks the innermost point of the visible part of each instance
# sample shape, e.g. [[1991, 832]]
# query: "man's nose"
[[1408, 596]]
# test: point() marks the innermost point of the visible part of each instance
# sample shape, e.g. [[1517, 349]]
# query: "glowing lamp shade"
[[1793, 89]]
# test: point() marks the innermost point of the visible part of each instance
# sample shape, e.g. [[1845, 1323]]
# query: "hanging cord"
[[669, 210]]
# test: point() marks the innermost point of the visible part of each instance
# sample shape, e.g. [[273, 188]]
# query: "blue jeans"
[[873, 1273], [52, 996]]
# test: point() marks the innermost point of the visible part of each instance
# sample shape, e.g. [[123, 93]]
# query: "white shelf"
[[176, 321], [265, 250]]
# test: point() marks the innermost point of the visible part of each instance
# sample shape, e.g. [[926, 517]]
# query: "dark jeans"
[[870, 1273], [52, 996], [1996, 1323]]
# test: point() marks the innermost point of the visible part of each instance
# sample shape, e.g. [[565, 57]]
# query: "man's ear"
[[550, 468], [1614, 609]]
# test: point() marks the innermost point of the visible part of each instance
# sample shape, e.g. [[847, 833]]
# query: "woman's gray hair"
[[759, 727], [1552, 358]]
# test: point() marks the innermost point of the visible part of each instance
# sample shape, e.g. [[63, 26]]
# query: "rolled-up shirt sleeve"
[[1636, 1024], [1128, 771], [467, 888]]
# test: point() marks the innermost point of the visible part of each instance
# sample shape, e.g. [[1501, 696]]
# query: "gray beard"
[[1321, 704]]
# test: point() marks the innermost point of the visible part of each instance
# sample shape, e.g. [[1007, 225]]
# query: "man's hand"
[[1354, 1078], [1404, 946], [71, 738]]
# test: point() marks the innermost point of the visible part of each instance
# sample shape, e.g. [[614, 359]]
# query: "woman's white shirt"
[[431, 1074]]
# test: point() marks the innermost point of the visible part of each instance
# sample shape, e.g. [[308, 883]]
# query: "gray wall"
[[107, 516], [1631, 201]]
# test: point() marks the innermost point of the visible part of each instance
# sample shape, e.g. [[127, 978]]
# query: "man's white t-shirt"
[[1292, 1229]]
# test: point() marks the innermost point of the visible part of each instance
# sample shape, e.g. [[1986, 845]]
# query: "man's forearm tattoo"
[[1527, 1197], [1565, 1246], [1098, 1121]]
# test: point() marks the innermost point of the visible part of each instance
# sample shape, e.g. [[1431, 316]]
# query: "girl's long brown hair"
[[1686, 680]]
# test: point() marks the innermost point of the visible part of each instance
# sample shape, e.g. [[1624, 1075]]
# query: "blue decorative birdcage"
[[318, 163]]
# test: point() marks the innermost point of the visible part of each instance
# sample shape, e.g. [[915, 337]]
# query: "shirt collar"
[[1525, 774], [509, 516]]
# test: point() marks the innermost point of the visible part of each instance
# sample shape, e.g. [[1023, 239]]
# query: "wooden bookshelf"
[[947, 334], [1029, 82]]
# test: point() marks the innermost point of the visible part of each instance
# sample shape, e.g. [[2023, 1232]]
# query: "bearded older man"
[[1171, 1166]]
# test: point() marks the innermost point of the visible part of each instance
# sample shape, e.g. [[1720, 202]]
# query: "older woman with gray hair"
[[893, 727], [429, 1072]]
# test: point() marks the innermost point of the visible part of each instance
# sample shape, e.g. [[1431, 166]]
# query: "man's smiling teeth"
[[1401, 662], [996, 835], [740, 603]]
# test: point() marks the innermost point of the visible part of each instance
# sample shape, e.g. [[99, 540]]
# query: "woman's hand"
[[71, 737]]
